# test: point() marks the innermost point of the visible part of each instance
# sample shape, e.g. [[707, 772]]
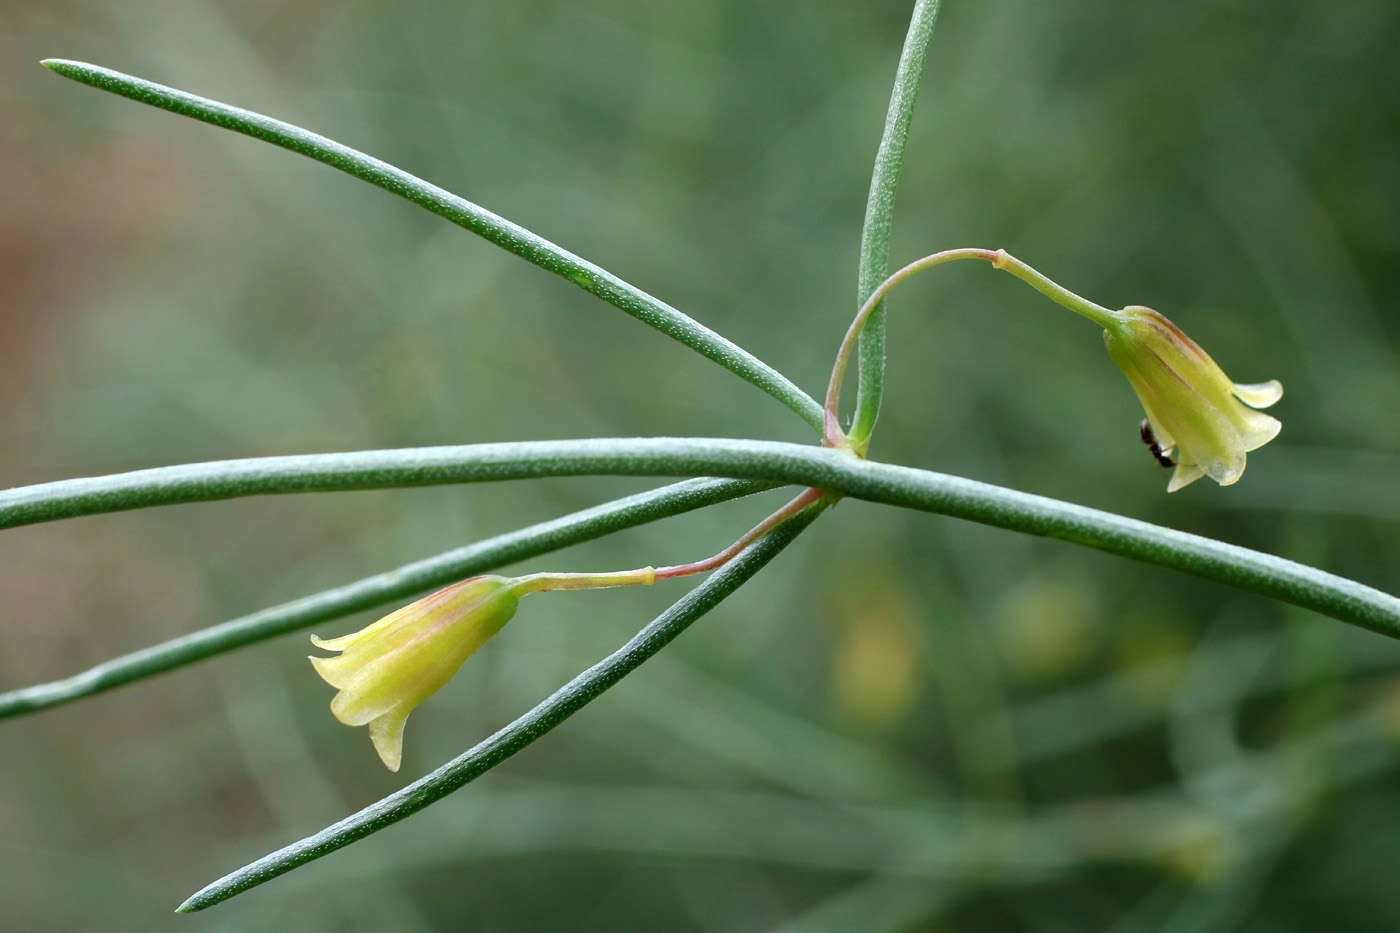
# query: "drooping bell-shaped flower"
[[1191, 404], [387, 669]]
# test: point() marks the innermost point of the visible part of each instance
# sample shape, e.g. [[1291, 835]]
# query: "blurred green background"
[[906, 723]]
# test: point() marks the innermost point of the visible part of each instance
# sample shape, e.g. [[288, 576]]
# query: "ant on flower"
[[1150, 440]]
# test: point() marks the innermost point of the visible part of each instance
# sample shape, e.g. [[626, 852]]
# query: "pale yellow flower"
[[1191, 404], [387, 669]]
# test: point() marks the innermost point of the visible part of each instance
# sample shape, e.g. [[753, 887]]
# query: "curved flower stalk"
[[386, 669], [1192, 406]]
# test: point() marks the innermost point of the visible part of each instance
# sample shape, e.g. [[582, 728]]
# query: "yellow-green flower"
[[387, 669], [1191, 404]]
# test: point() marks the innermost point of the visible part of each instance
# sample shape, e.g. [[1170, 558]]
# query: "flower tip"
[[332, 670], [1263, 433], [319, 663], [1259, 395], [1185, 475], [386, 733]]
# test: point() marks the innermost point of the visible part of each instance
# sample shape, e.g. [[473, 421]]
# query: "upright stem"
[[879, 209]]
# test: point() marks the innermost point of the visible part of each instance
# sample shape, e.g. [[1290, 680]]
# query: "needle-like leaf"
[[562, 704], [879, 213], [397, 584], [832, 470], [509, 236]]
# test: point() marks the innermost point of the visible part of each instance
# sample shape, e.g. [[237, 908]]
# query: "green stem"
[[566, 701], [801, 501], [375, 591], [1056, 293], [511, 237], [551, 582], [879, 213], [834, 471], [645, 576]]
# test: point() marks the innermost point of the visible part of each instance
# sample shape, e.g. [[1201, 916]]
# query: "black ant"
[[1150, 440]]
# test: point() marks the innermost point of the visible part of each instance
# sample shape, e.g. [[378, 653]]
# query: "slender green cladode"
[[879, 215], [509, 236], [380, 589], [835, 471], [566, 701]]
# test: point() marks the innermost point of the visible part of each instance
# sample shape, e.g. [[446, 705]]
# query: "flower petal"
[[405, 676], [1185, 475], [361, 707], [1202, 434], [386, 733], [335, 671], [1259, 394], [389, 667], [1259, 430], [335, 644]]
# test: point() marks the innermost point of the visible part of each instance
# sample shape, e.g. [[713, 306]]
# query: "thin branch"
[[801, 501], [566, 701], [379, 589], [834, 471], [509, 236]]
